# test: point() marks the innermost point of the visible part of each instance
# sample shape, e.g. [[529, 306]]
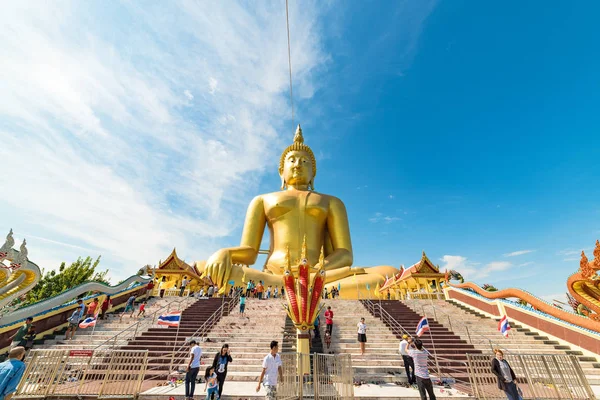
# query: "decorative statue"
[[7, 246], [295, 212], [303, 294]]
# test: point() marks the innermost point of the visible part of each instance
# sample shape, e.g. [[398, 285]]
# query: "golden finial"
[[298, 138], [287, 263], [322, 257], [303, 254]]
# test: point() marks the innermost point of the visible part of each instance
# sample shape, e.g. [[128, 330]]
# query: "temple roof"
[[173, 264], [423, 268]]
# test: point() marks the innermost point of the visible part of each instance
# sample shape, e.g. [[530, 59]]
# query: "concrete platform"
[[247, 390]]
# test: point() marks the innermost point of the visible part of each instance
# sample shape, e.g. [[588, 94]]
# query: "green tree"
[[55, 282]]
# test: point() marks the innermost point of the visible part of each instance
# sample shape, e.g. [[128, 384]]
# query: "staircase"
[[249, 338], [449, 348], [381, 361], [124, 328], [162, 342], [483, 333]]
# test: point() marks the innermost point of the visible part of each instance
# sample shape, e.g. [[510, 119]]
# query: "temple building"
[[420, 280], [170, 273]]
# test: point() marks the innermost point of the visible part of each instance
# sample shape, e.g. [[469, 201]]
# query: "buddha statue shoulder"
[[297, 216]]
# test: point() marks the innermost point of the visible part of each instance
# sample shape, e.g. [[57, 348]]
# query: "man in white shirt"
[[184, 283], [409, 364], [272, 367], [211, 291], [362, 335], [192, 369]]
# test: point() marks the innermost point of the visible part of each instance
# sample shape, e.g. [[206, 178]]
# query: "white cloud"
[[380, 217], [212, 85], [471, 270], [562, 297], [525, 264], [103, 152], [518, 253]]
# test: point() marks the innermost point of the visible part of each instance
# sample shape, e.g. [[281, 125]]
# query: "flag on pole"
[[89, 321], [170, 319], [422, 327], [503, 326]]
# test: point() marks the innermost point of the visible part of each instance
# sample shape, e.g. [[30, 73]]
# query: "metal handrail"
[[146, 321], [201, 331], [470, 331], [386, 317]]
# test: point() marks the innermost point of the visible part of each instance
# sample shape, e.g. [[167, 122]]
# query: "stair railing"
[[129, 333], [474, 336], [376, 309], [178, 353]]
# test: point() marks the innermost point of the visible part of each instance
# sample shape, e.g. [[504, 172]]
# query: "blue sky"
[[463, 129]]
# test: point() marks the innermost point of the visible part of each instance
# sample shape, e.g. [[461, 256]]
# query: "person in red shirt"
[[149, 289], [105, 306], [329, 320], [91, 308], [142, 312]]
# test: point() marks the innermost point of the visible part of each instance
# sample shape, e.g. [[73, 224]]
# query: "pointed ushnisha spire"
[[298, 138]]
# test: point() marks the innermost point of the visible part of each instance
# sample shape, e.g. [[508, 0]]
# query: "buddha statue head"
[[297, 165]]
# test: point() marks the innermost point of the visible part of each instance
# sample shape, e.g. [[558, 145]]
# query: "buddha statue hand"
[[218, 268]]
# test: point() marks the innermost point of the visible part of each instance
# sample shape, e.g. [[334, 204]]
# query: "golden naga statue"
[[295, 212]]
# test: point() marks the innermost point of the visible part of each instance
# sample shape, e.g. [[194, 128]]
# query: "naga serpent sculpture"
[[584, 285], [18, 275]]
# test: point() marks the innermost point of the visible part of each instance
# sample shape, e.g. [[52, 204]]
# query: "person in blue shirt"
[[11, 372], [74, 320]]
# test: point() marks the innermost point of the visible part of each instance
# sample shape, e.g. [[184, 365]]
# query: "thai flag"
[[503, 326], [170, 319], [422, 326], [89, 321]]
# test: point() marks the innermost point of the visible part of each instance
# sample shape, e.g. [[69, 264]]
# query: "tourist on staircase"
[[105, 306], [192, 369], [242, 303], [220, 363], [362, 335], [409, 364], [212, 385], [505, 375], [419, 356], [271, 368], [184, 283], [74, 320], [17, 338], [91, 308], [329, 320], [11, 372]]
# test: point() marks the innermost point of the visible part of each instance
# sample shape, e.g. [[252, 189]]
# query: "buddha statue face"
[[297, 165], [297, 169]]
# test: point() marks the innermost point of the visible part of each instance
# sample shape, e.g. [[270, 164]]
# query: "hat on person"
[[404, 336]]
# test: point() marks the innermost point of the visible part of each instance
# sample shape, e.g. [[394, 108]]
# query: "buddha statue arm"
[[339, 233], [219, 265]]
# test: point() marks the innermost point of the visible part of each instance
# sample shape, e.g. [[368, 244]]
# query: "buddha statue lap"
[[292, 215]]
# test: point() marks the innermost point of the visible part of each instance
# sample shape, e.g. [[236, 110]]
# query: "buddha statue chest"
[[291, 207]]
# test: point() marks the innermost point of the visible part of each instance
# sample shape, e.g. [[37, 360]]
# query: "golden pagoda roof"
[[174, 264], [423, 268]]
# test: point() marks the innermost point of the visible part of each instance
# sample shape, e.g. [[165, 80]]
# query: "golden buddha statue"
[[292, 215]]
